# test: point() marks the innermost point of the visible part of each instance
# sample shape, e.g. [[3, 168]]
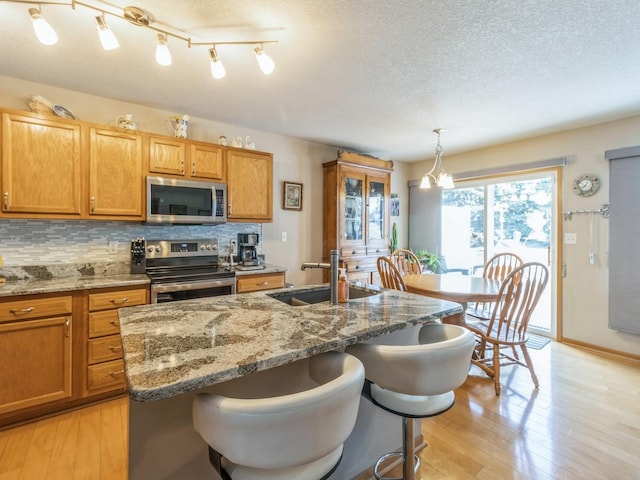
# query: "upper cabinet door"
[[377, 211], [166, 156], [249, 186], [41, 166], [206, 161], [352, 208], [115, 173]]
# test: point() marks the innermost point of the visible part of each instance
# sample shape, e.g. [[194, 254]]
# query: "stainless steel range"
[[182, 269]]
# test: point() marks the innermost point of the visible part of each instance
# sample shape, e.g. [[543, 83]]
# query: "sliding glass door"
[[507, 214]]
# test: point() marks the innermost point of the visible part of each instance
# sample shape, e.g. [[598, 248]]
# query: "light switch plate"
[[284, 236], [570, 238]]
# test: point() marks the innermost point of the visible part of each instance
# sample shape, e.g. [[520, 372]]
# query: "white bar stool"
[[415, 381], [284, 423]]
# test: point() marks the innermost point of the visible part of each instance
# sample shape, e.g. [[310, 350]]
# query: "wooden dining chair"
[[406, 261], [390, 275], [497, 339], [497, 268]]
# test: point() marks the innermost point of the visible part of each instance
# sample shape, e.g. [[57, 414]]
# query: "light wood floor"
[[583, 423]]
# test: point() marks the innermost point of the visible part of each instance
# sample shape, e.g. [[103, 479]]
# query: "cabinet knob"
[[5, 203], [93, 204]]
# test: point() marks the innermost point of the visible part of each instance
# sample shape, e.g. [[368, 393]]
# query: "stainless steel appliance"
[[247, 248], [170, 200], [186, 269]]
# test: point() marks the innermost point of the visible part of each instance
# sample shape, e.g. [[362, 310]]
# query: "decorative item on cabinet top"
[[126, 122]]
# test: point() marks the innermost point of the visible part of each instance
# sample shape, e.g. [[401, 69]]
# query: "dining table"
[[462, 289]]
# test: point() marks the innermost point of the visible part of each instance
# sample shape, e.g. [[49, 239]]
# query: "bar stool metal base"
[[410, 461]]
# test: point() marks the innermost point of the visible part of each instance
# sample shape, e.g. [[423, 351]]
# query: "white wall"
[[585, 288], [294, 160]]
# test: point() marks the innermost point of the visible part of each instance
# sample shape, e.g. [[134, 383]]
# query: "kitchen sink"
[[318, 295]]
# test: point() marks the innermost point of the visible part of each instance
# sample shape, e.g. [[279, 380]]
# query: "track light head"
[[107, 38], [163, 55], [217, 68], [265, 62], [45, 32]]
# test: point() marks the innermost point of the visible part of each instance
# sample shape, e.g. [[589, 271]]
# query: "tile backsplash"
[[55, 242]]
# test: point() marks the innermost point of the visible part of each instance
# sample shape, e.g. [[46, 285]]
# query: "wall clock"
[[586, 185]]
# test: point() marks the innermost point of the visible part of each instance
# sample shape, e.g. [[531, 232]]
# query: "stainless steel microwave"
[[170, 200]]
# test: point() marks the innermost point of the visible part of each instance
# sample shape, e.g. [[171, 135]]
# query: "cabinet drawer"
[[104, 349], [105, 375], [117, 299], [254, 283], [34, 308], [378, 251], [367, 264], [349, 252], [103, 323]]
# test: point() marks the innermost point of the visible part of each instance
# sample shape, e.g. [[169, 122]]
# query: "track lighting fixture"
[[437, 174], [140, 18], [217, 68], [107, 38], [163, 55], [265, 62], [45, 32]]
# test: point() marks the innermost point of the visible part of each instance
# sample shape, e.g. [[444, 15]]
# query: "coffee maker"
[[247, 248]]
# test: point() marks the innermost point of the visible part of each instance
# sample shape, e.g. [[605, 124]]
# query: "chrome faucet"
[[333, 266]]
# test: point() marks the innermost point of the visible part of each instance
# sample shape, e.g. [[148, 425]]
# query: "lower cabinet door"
[[36, 362]]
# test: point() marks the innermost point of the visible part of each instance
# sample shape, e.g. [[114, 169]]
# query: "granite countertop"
[[173, 348], [268, 268], [36, 285]]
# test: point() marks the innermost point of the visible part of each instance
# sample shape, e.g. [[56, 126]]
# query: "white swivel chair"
[[416, 381], [283, 423]]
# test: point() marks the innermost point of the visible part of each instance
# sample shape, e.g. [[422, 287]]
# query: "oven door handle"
[[182, 286]]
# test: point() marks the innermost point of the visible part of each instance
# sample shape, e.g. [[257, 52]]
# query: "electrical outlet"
[[113, 246], [284, 236], [570, 238]]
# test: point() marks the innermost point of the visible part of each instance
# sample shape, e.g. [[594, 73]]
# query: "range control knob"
[[202, 247], [150, 249], [158, 249], [208, 247]]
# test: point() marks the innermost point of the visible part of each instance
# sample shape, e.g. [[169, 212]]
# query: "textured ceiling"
[[365, 75]]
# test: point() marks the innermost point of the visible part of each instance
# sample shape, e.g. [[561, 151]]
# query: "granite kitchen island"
[[173, 351]]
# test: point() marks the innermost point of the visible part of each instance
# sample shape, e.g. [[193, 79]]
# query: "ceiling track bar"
[[188, 41]]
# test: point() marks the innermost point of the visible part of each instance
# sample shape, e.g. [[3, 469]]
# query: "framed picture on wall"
[[292, 196]]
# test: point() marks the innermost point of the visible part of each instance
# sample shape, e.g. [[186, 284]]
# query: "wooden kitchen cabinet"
[[184, 158], [35, 352], [167, 155], [249, 186], [105, 366], [206, 161], [260, 281], [356, 213], [115, 166], [41, 166]]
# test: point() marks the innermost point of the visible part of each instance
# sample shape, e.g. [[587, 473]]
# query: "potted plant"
[[431, 260]]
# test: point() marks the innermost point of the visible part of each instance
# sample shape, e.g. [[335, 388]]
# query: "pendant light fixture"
[[264, 60], [45, 32], [437, 174], [217, 68], [163, 55], [107, 37], [141, 18]]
